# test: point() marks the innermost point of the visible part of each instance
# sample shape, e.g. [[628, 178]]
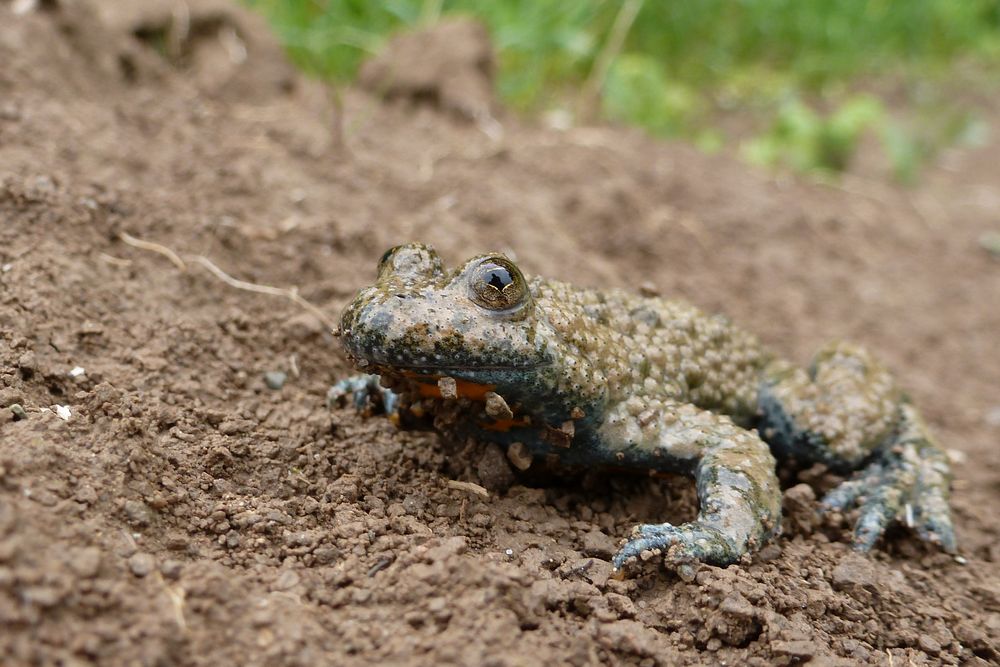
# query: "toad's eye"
[[497, 284], [410, 262]]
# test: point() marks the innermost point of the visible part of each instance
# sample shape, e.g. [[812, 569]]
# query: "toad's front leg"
[[366, 393], [738, 490]]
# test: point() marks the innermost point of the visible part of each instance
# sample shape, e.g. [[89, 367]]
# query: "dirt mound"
[[161, 502], [449, 65]]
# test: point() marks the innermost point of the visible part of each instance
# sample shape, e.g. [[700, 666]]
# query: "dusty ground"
[[185, 513]]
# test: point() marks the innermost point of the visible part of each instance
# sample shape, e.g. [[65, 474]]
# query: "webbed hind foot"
[[908, 484]]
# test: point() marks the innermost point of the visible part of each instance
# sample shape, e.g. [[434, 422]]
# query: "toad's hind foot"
[[907, 483]]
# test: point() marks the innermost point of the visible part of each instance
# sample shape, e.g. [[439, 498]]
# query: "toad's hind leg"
[[847, 412]]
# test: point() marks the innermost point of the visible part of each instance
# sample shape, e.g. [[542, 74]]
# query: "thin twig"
[[176, 597], [155, 247], [290, 293], [468, 487], [116, 261]]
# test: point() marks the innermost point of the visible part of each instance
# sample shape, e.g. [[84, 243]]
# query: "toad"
[[586, 378]]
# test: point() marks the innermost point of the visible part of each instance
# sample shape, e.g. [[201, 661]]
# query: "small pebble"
[[929, 645], [852, 572], [232, 539], [688, 572], [770, 552], [18, 411], [27, 363], [800, 649], [141, 564], [9, 396], [519, 456], [286, 580], [493, 469], [597, 544], [496, 407], [956, 456], [43, 596], [137, 512], [275, 379], [737, 606], [448, 387], [171, 569], [86, 562]]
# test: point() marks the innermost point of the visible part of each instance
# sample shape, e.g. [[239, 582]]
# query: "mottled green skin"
[[609, 378]]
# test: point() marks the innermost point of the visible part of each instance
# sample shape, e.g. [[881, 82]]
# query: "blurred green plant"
[[681, 64], [805, 140]]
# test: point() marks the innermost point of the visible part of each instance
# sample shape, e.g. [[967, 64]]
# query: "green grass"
[[683, 64]]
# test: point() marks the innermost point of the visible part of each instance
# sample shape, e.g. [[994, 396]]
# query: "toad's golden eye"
[[497, 284]]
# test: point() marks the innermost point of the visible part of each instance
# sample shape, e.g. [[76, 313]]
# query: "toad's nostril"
[[402, 296]]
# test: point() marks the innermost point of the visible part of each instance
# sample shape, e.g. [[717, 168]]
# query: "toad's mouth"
[[437, 371], [443, 370], [473, 382]]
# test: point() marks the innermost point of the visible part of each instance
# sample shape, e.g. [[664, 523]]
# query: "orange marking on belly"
[[504, 425], [473, 391], [428, 390], [427, 385]]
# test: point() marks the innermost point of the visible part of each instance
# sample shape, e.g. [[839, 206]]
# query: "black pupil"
[[498, 277]]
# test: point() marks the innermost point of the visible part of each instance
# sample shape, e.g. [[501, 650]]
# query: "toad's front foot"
[[366, 395], [907, 483], [679, 545]]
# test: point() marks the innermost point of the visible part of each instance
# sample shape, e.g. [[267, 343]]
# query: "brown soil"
[[185, 513]]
